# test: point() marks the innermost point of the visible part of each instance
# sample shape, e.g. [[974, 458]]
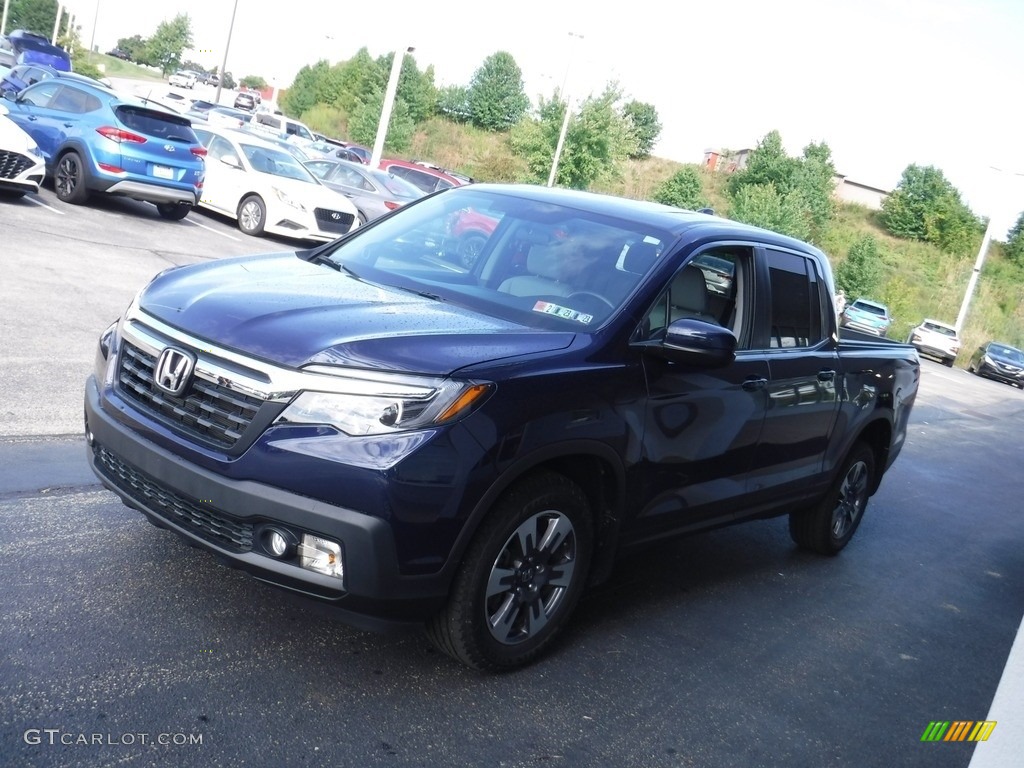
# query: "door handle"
[[754, 383], [826, 375], [68, 125], [32, 118]]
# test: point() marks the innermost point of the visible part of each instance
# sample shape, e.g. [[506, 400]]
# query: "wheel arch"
[[594, 467], [877, 435]]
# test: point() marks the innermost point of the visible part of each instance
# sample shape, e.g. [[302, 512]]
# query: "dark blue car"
[[96, 140]]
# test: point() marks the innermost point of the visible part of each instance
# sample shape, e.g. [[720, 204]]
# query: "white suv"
[[936, 339], [183, 79]]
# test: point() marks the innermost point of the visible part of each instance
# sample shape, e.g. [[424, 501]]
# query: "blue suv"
[[96, 140]]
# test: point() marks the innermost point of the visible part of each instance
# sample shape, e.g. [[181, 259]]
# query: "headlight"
[[387, 404], [287, 199]]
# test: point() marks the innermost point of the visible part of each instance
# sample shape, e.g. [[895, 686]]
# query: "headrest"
[[542, 260]]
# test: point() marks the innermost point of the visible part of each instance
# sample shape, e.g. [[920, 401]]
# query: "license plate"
[[163, 172]]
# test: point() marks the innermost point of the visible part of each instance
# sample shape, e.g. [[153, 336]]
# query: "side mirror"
[[694, 342]]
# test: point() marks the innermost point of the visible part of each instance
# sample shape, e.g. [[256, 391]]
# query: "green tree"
[[34, 15], [362, 79], [926, 206], [1015, 242], [253, 81], [646, 126], [598, 141], [497, 97], [767, 164], [813, 184], [453, 103], [762, 205], [363, 122], [134, 46], [860, 273], [684, 190], [302, 94], [168, 43], [417, 90]]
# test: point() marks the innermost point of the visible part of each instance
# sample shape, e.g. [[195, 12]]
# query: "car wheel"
[[69, 179], [252, 215], [173, 211], [521, 577], [948, 362], [362, 219], [470, 247], [828, 526]]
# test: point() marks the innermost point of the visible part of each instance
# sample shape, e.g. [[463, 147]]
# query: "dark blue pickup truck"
[[376, 425]]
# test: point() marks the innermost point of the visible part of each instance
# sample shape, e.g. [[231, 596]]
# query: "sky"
[[885, 83]]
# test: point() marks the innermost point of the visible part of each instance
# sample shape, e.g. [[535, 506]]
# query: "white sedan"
[[21, 164], [268, 190]]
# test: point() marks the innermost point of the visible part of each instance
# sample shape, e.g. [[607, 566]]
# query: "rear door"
[[804, 376]]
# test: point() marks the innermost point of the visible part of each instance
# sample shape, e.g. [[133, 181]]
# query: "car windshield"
[[540, 265], [873, 309], [1007, 353], [945, 330], [276, 163]]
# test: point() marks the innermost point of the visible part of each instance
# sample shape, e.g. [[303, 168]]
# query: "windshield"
[[1007, 353], [945, 330], [871, 309], [535, 263], [276, 163]]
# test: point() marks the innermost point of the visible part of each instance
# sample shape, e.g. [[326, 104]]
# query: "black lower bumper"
[[225, 517]]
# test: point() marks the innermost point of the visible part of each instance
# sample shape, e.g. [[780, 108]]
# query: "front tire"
[[69, 179], [829, 525], [252, 215], [521, 577]]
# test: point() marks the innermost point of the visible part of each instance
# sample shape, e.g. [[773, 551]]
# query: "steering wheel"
[[591, 294]]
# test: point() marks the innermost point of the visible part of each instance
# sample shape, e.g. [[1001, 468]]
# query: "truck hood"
[[291, 312]]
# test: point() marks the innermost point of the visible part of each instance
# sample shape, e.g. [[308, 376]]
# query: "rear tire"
[[521, 577], [69, 179], [828, 526], [173, 211]]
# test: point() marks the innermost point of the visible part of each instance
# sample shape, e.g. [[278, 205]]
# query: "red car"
[[427, 179]]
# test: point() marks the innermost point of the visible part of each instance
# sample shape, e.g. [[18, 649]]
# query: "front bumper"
[[991, 371], [191, 500]]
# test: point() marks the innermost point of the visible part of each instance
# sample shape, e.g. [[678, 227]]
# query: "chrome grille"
[[205, 521], [205, 410], [13, 163], [333, 221]]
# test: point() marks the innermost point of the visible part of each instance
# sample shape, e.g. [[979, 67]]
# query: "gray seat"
[[688, 296], [542, 280]]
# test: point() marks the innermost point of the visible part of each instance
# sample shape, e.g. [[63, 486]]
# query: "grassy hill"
[[919, 280]]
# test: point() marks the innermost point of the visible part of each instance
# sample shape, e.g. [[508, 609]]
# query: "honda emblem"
[[173, 370]]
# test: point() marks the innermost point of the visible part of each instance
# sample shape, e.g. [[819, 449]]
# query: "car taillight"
[[199, 151], [119, 135], [391, 205]]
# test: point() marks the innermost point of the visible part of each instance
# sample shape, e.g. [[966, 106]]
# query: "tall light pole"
[[565, 120], [3, 23], [56, 23], [978, 263], [95, 21], [224, 61], [389, 102]]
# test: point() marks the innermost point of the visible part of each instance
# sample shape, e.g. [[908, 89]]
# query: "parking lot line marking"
[[39, 202], [211, 229]]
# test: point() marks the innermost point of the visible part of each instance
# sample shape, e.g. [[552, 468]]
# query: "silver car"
[[373, 192]]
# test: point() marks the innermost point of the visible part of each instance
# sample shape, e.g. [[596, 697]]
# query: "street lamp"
[[978, 263], [224, 62], [95, 21], [389, 101], [565, 120]]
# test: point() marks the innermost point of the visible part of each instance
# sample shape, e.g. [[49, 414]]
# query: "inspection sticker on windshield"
[[564, 312]]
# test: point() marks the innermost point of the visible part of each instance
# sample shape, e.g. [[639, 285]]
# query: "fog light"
[[276, 543], [321, 555]]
